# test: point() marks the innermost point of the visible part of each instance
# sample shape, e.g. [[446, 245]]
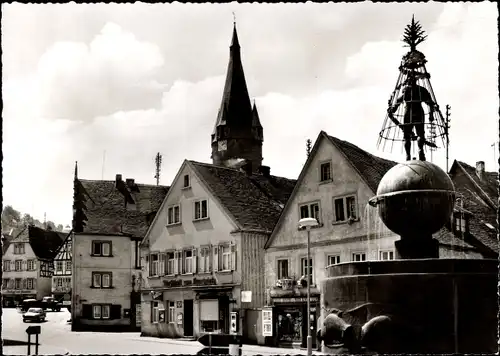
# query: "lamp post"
[[308, 223]]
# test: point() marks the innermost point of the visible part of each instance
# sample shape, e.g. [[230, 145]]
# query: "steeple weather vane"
[[234, 18]]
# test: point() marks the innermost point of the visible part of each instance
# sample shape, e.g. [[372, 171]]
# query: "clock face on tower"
[[222, 145]]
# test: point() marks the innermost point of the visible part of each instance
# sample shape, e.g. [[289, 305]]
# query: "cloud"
[[114, 72]]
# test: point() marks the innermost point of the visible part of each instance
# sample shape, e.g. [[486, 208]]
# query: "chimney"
[[130, 182], [480, 169], [247, 167], [118, 178], [265, 171]]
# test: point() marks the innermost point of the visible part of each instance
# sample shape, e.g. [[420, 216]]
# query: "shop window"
[[157, 312]]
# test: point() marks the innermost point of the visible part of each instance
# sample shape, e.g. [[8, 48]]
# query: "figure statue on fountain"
[[413, 88], [413, 96]]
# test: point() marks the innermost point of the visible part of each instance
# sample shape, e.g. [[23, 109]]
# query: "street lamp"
[[308, 223]]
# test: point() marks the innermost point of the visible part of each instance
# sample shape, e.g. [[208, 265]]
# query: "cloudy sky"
[[115, 84]]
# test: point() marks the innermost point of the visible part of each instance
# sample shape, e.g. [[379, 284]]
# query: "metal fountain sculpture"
[[418, 303]]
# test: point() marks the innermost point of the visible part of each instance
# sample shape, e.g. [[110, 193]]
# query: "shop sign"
[[295, 300], [246, 296], [17, 291], [267, 322]]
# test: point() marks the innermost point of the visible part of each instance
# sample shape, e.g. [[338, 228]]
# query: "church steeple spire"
[[235, 135]]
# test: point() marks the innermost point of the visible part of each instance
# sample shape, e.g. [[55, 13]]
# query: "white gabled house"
[[334, 187], [204, 251]]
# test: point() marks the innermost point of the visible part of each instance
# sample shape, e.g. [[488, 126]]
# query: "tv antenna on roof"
[[158, 160]]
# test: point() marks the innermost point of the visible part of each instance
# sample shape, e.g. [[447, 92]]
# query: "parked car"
[[27, 304], [51, 303], [45, 303], [34, 314]]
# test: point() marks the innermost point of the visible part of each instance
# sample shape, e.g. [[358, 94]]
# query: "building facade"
[[475, 216], [28, 265], [110, 219], [334, 188], [63, 266], [203, 255]]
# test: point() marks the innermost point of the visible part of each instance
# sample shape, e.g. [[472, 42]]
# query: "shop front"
[[13, 298], [214, 304], [290, 320]]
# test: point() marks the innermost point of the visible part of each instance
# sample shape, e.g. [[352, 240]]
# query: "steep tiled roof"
[[255, 201], [43, 242], [488, 184], [370, 167], [6, 239], [107, 212], [477, 205], [446, 237]]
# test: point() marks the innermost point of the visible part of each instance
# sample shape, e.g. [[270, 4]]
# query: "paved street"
[[57, 338]]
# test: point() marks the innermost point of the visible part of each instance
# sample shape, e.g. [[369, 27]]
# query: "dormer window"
[[460, 221], [326, 172], [187, 183]]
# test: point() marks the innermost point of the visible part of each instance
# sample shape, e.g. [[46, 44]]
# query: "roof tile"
[[107, 212], [255, 201]]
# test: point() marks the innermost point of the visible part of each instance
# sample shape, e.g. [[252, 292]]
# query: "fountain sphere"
[[415, 199]]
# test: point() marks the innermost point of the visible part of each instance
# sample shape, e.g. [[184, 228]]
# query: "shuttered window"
[[87, 311]]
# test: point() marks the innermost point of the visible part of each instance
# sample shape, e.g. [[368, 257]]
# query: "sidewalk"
[[247, 349]]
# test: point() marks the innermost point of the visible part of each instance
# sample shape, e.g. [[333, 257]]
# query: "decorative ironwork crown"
[[414, 35]]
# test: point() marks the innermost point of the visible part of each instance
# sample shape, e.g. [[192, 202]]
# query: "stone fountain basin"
[[437, 305], [419, 212]]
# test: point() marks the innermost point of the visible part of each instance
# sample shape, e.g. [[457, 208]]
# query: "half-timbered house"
[[28, 264], [61, 279]]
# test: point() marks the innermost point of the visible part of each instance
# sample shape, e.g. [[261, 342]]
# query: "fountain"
[[417, 303]]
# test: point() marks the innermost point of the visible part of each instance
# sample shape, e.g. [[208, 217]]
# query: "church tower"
[[238, 134]]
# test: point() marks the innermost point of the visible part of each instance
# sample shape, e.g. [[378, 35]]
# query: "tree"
[[60, 227], [10, 217], [51, 226], [27, 219]]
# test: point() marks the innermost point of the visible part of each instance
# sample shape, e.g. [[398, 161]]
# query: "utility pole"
[[494, 145], [158, 160], [447, 133]]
